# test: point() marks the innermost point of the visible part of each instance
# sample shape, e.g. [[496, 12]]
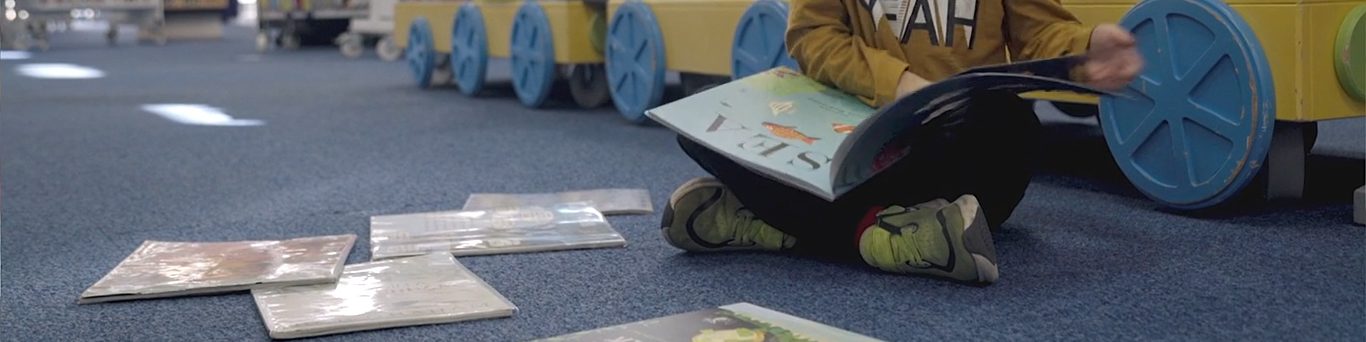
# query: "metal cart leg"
[[387, 50], [159, 31], [352, 44], [289, 36], [112, 35], [38, 32]]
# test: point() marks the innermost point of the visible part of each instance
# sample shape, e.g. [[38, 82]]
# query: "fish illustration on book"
[[781, 107], [789, 132], [785, 73], [843, 128]]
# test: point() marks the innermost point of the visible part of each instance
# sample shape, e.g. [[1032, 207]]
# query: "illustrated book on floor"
[[494, 231], [419, 290], [811, 136], [735, 322], [165, 269], [606, 201]]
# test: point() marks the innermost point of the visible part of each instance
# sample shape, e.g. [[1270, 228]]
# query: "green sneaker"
[[938, 238], [702, 215]]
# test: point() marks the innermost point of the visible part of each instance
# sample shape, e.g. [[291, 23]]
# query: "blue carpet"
[[86, 175]]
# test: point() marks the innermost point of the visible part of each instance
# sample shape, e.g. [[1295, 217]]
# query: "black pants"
[[987, 150]]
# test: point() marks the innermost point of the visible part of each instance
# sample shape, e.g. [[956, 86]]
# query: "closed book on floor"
[[164, 269], [419, 290], [735, 322], [493, 231], [606, 201]]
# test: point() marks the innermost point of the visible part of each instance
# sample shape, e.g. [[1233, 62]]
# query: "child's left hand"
[[1113, 60]]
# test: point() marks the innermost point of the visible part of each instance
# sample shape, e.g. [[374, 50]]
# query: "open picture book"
[[811, 136]]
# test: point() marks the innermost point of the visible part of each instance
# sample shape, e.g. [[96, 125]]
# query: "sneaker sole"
[[978, 242], [687, 187]]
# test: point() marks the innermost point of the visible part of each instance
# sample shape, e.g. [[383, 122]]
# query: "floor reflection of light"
[[14, 55], [197, 114], [59, 71]]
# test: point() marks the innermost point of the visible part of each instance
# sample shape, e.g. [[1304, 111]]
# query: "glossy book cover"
[[493, 231], [426, 289], [735, 322], [172, 268]]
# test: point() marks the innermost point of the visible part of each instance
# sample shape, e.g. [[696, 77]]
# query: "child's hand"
[[1113, 60], [909, 83]]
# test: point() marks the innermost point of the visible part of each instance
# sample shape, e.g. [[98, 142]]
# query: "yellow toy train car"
[[1231, 89], [545, 40], [1224, 79]]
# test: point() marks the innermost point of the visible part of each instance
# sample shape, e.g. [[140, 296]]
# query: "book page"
[[885, 139], [606, 201], [162, 269], [778, 122], [427, 289], [798, 327], [494, 231]]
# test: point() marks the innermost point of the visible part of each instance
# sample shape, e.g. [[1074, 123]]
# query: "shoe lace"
[[906, 248], [749, 231]]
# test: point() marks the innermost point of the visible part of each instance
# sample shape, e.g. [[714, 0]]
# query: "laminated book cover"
[[493, 231], [419, 290], [801, 132], [606, 201], [164, 269], [730, 323]]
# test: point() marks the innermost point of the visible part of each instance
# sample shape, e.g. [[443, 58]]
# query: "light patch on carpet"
[[59, 71], [9, 55], [198, 114]]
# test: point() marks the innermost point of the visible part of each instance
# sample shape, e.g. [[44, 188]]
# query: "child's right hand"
[[1114, 59], [909, 83]]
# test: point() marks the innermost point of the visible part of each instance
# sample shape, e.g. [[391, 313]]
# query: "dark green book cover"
[[740, 322]]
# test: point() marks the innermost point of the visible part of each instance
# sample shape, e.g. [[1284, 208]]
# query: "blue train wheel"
[[759, 43], [1199, 124], [533, 55], [420, 53], [635, 60], [469, 49]]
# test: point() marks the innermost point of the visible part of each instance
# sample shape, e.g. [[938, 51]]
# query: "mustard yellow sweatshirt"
[[863, 46]]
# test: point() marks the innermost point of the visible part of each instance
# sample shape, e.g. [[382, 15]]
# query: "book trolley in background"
[[42, 14], [195, 19], [375, 28], [291, 23]]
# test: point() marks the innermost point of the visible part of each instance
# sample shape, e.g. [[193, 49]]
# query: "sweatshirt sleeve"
[[820, 39], [1041, 29]]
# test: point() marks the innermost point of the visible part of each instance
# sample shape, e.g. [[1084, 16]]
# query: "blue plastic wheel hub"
[[635, 60], [533, 55], [469, 49], [759, 43], [420, 53], [1198, 125]]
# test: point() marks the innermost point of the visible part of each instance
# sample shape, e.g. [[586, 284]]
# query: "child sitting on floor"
[[901, 220]]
